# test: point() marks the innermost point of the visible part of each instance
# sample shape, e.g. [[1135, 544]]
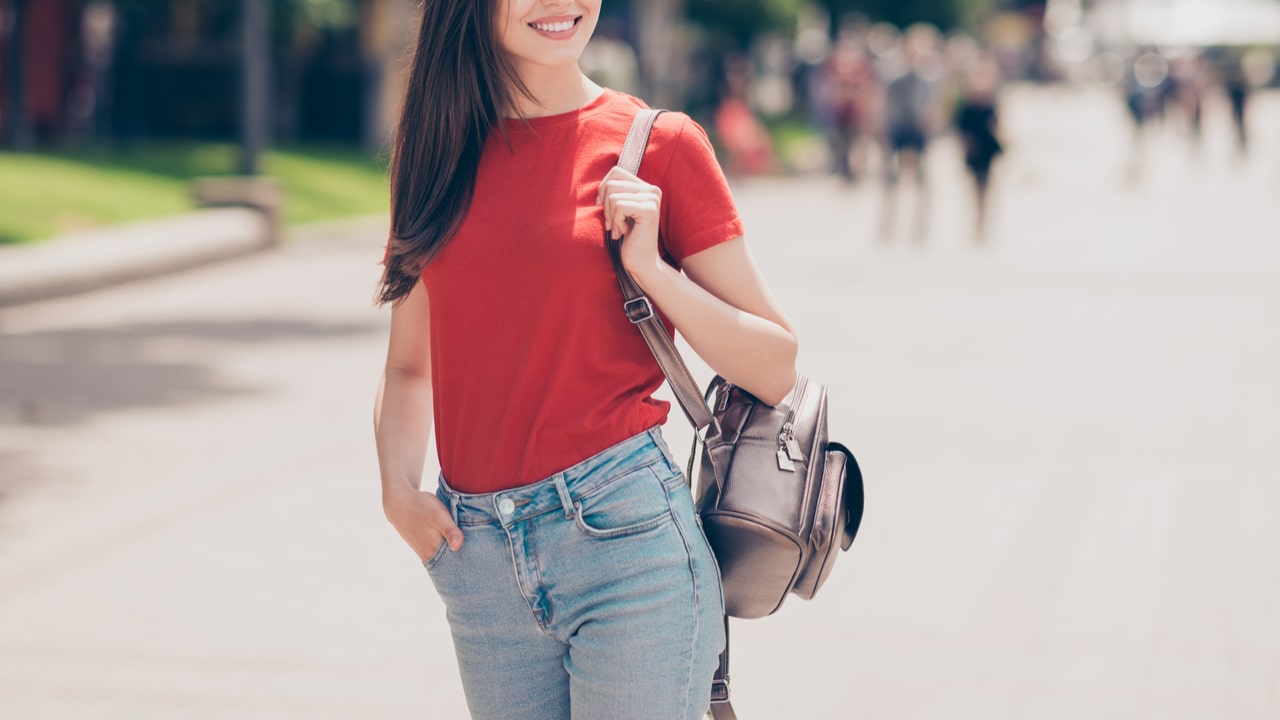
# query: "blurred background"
[[1030, 245], [116, 104]]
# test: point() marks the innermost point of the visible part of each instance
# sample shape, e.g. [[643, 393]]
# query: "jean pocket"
[[631, 504], [435, 559]]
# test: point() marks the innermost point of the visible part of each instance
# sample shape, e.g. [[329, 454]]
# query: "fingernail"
[[455, 542]]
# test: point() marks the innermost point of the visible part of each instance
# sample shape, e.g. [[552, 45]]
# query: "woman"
[[562, 538]]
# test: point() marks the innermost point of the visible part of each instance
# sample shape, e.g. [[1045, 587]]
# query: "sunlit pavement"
[[1067, 434]]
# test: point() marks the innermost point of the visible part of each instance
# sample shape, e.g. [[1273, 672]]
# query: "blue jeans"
[[589, 595]]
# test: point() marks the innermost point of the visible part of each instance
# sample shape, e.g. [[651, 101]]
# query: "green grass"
[[45, 195]]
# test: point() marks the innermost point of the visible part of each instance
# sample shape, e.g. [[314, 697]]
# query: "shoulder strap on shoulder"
[[638, 308], [638, 139]]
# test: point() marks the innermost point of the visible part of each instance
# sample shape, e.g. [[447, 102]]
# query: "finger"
[[619, 211], [639, 197], [635, 206], [602, 198], [616, 175], [440, 520], [609, 178], [620, 173], [623, 222], [622, 228], [427, 544], [631, 188]]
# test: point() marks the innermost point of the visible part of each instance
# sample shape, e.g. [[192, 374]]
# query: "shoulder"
[[618, 109], [676, 137], [674, 127], [674, 133], [678, 148]]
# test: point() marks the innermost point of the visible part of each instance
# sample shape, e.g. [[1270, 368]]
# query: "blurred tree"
[[320, 13], [255, 130], [18, 129], [736, 22], [945, 14], [732, 24], [287, 15]]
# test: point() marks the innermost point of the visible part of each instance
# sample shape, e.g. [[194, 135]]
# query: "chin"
[[552, 61]]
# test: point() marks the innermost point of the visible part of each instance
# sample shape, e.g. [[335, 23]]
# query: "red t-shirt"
[[535, 368]]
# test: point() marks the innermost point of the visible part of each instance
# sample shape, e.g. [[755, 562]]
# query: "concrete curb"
[[110, 256]]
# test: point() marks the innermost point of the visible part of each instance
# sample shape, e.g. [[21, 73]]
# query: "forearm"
[[402, 426], [750, 351]]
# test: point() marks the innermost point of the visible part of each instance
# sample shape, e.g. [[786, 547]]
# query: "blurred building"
[[1187, 23], [81, 70], [74, 70], [36, 64]]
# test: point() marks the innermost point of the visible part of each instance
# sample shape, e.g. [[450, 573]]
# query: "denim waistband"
[[558, 492]]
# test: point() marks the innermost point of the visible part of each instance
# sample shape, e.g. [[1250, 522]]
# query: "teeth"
[[553, 27]]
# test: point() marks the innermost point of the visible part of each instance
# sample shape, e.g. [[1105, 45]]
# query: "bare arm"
[[728, 316], [721, 304], [402, 416]]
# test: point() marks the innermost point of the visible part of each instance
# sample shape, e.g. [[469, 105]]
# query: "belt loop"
[[563, 491], [655, 434], [450, 497], [453, 504]]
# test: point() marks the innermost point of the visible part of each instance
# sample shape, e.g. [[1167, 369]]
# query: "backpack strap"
[[637, 306], [721, 708], [640, 311]]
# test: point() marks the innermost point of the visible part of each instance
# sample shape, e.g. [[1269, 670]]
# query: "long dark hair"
[[460, 83]]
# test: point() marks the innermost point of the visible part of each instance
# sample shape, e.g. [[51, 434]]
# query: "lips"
[[558, 27]]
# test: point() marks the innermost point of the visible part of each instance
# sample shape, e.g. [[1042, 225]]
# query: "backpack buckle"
[[638, 310]]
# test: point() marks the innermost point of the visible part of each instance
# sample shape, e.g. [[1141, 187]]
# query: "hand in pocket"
[[421, 519]]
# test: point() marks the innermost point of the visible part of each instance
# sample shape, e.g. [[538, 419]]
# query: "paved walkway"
[[1068, 435]]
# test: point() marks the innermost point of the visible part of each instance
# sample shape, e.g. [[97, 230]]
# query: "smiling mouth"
[[556, 26]]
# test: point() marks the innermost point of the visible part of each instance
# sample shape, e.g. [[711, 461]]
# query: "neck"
[[556, 90]]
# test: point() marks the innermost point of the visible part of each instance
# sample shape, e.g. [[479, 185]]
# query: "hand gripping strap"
[[638, 308]]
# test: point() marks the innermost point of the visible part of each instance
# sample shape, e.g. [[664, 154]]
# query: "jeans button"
[[506, 506]]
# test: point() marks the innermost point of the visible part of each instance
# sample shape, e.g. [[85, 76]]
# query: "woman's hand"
[[421, 519], [719, 304], [631, 212]]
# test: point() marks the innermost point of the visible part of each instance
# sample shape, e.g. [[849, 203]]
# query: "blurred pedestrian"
[[911, 116], [562, 537], [1191, 82], [1144, 92], [745, 139], [1235, 82], [90, 106], [844, 88], [977, 124]]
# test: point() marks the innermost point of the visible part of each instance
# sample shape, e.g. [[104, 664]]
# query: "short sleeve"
[[698, 211]]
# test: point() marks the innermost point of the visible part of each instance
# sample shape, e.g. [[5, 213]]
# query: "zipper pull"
[[793, 450], [784, 462], [722, 401], [789, 446]]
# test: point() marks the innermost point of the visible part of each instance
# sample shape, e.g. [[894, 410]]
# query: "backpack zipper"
[[722, 401], [789, 451]]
